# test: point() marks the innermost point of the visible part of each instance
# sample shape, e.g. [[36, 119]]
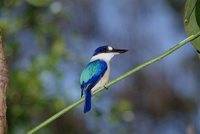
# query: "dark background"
[[47, 43]]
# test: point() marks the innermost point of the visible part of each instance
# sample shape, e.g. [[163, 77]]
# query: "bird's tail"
[[88, 97]]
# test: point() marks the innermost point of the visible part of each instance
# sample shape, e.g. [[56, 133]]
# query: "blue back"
[[92, 73]]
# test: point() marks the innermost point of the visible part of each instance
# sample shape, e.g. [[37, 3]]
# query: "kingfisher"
[[96, 73]]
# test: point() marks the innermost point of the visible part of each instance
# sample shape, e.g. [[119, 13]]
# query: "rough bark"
[[3, 86]]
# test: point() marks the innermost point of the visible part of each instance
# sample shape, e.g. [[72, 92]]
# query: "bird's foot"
[[105, 87]]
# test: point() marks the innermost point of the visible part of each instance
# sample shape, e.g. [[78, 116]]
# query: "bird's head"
[[106, 53]]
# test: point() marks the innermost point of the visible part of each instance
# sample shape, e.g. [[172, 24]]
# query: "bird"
[[96, 73]]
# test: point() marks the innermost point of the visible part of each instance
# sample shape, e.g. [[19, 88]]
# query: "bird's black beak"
[[119, 51]]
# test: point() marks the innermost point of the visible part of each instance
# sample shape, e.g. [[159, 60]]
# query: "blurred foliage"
[[119, 111], [28, 102], [38, 2]]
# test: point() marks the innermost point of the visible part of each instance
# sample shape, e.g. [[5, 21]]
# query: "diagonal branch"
[[182, 43]]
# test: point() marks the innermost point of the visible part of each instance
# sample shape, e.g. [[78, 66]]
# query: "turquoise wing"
[[92, 73]]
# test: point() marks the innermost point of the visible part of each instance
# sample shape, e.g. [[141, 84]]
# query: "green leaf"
[[197, 12], [192, 20]]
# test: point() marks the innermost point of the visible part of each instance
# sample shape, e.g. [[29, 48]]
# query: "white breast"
[[103, 80]]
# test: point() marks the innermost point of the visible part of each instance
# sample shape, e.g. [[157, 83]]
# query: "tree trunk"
[[3, 86]]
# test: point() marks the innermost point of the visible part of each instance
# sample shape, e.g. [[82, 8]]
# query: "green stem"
[[182, 43]]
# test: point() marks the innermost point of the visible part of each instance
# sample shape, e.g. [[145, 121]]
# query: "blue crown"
[[101, 49]]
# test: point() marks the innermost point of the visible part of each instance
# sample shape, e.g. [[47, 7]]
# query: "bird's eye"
[[110, 48]]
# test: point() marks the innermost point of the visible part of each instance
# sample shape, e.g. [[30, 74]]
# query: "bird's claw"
[[105, 87]]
